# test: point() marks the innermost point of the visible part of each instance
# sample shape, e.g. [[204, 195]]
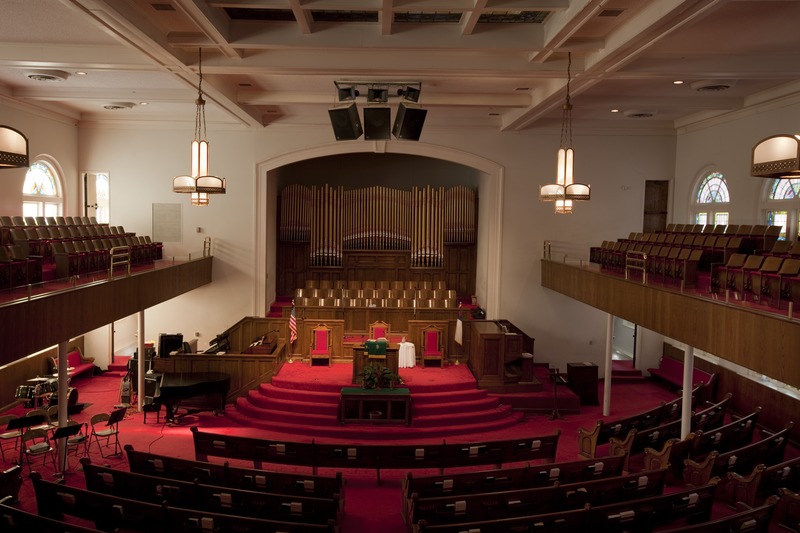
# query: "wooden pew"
[[710, 417], [410, 456], [13, 520], [10, 483], [747, 520], [644, 514], [225, 475], [558, 522], [769, 450], [589, 440], [531, 501], [223, 500], [787, 511], [764, 481], [528, 476], [737, 433], [111, 513]]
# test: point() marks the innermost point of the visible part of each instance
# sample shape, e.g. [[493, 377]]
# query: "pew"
[[225, 475], [223, 500], [537, 500], [10, 483], [13, 520], [693, 505], [111, 513], [529, 476], [764, 481], [589, 440], [788, 509], [747, 520], [709, 418], [337, 456], [769, 450]]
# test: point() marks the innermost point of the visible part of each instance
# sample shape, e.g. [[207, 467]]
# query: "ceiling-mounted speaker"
[[408, 122], [377, 123], [346, 123]]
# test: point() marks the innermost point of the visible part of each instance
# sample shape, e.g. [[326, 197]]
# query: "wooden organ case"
[[327, 233]]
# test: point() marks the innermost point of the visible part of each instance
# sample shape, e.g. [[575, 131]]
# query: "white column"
[[686, 411], [140, 372], [607, 378], [63, 415]]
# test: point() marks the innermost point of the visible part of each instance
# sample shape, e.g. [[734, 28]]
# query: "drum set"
[[43, 390]]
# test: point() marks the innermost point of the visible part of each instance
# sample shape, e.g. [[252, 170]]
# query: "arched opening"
[[488, 177]]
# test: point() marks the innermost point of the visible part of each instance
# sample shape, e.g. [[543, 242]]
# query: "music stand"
[[22, 423], [113, 422], [65, 432]]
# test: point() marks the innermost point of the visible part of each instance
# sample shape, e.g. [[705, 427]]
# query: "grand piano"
[[192, 391]]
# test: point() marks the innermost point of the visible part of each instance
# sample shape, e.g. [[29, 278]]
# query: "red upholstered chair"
[[432, 345], [379, 330], [320, 344]]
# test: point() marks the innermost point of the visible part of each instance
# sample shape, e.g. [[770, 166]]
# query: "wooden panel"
[[40, 323], [732, 332]]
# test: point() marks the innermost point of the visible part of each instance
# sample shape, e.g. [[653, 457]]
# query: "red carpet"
[[369, 507], [303, 400]]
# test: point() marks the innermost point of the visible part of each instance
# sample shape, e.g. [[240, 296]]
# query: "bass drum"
[[72, 397]]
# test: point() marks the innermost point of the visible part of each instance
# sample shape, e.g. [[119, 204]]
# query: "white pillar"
[[607, 378], [141, 357], [686, 411]]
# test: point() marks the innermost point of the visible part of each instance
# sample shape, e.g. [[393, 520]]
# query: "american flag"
[[292, 326]]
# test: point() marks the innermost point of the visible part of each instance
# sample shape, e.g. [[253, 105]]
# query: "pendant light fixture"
[[13, 148], [565, 191], [200, 184]]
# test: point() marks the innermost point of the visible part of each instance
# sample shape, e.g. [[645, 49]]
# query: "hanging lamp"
[[200, 183], [565, 191]]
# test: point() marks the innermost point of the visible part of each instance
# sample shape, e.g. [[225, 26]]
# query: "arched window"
[[782, 206], [711, 202], [41, 193]]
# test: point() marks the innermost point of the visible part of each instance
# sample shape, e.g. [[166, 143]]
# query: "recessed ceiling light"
[[80, 73], [677, 82], [143, 103], [615, 110], [48, 75]]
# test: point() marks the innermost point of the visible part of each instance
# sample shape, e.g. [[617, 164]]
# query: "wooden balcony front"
[[764, 342]]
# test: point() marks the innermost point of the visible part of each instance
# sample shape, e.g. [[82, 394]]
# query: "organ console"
[[498, 357]]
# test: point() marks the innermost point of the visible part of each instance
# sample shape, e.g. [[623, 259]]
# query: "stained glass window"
[[785, 189], [713, 189], [40, 181]]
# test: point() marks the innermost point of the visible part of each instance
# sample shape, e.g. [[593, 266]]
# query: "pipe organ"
[[421, 221]]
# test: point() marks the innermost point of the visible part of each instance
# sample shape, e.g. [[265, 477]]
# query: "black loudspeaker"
[[377, 123], [345, 122], [408, 122]]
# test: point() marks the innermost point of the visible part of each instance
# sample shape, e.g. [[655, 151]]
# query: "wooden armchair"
[[320, 344], [432, 345]]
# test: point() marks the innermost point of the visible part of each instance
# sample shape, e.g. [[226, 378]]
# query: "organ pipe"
[[422, 220]]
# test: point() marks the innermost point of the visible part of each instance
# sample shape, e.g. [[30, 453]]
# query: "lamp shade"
[[777, 157], [13, 148], [578, 191], [184, 184], [551, 192], [211, 185]]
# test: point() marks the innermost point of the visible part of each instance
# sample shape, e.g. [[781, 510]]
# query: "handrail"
[[635, 260], [119, 256]]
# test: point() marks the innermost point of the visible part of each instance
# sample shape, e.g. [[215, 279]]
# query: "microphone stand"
[[555, 415]]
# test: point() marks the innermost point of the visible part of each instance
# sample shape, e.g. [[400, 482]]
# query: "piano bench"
[[152, 408]]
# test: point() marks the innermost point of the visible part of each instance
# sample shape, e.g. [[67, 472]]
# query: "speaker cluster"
[[377, 124]]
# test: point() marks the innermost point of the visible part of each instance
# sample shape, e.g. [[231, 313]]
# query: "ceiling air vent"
[[117, 106], [48, 75], [611, 12], [163, 7], [639, 113], [703, 86]]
